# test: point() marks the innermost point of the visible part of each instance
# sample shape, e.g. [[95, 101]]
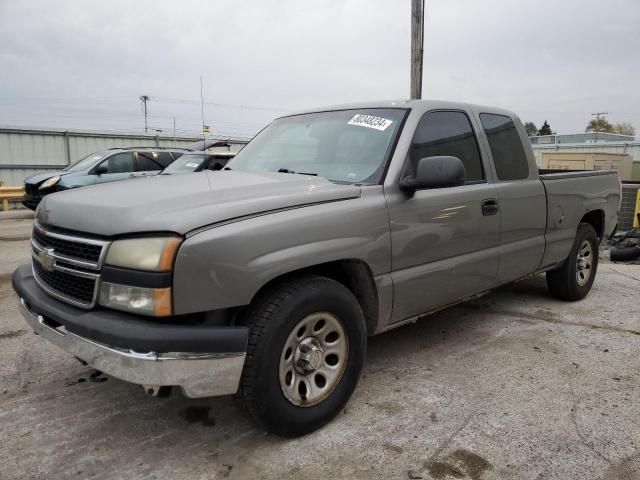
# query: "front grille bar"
[[68, 259], [68, 265]]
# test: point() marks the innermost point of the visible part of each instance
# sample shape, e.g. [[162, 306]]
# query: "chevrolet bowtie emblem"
[[46, 259]]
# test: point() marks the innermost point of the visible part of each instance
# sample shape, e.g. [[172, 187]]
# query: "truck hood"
[[181, 203]]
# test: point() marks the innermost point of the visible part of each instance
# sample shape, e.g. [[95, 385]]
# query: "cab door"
[[444, 241], [118, 166], [521, 195]]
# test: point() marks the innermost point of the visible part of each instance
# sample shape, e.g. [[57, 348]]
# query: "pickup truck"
[[264, 279]]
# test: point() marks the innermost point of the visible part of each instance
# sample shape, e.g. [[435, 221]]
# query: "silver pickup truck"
[[264, 279]]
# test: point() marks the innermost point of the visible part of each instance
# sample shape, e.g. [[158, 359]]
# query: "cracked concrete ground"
[[515, 385]]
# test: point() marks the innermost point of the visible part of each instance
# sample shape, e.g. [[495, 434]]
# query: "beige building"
[[557, 160]]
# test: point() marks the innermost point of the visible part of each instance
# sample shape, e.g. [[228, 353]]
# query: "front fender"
[[226, 265]]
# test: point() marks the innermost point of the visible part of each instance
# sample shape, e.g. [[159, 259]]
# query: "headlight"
[[154, 254], [145, 301], [49, 183]]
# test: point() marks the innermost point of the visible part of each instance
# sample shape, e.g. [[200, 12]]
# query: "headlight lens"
[[154, 254], [144, 301], [49, 183]]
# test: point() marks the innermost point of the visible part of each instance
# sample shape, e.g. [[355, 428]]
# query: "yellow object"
[[636, 215], [7, 193]]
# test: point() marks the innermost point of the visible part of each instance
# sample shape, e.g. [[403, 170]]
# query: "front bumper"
[[198, 372], [31, 200]]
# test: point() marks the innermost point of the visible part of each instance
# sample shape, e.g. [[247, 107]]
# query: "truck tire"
[[573, 280], [624, 254], [306, 350]]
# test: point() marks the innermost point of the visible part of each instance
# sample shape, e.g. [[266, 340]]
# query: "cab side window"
[[148, 162], [506, 147], [165, 159], [448, 133], [119, 163]]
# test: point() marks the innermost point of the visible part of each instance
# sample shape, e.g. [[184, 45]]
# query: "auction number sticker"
[[370, 121]]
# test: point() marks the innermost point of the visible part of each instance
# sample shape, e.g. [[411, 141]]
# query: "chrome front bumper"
[[198, 374]]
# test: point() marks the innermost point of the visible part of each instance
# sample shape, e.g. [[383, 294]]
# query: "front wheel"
[[574, 279], [306, 350]]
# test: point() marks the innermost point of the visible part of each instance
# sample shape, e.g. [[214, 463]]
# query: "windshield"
[[350, 146], [85, 163], [187, 163]]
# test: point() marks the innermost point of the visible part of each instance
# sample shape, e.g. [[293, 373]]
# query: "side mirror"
[[435, 172], [100, 170]]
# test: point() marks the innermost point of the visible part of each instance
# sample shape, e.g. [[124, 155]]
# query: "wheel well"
[[595, 218], [353, 274]]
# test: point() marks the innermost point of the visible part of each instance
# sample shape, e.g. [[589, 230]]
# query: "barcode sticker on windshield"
[[370, 121]]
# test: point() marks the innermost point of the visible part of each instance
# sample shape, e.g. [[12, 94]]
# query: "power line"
[[597, 115], [227, 105]]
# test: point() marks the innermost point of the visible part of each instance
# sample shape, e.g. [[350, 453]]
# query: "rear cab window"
[[506, 147], [448, 133]]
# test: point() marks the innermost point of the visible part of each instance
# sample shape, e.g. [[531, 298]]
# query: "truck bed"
[[570, 196]]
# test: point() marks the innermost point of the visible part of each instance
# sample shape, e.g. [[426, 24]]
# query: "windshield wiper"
[[288, 170]]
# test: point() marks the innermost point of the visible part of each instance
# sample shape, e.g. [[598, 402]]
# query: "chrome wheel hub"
[[313, 359], [584, 263], [308, 356]]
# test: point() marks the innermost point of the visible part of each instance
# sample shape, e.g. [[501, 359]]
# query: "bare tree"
[[600, 124], [624, 128], [531, 129]]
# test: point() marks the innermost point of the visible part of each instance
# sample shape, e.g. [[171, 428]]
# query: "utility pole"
[[417, 46], [597, 115], [202, 108], [175, 142], [144, 99]]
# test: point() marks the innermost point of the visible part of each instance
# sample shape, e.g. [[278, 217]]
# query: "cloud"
[[84, 64]]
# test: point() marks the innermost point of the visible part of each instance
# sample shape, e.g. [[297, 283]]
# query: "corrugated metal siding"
[[45, 149]]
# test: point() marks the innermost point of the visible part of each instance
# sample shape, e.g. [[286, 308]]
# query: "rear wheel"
[[305, 354], [574, 279]]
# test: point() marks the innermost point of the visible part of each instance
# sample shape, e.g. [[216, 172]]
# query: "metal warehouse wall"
[[630, 148], [25, 151]]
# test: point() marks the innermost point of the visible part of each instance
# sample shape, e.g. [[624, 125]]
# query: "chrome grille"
[[67, 267], [65, 246], [79, 289]]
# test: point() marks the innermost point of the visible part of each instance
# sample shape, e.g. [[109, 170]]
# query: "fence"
[[25, 151]]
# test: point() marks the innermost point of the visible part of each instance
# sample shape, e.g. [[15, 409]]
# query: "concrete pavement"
[[515, 385]]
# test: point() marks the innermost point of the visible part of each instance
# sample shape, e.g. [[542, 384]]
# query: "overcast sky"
[[83, 64]]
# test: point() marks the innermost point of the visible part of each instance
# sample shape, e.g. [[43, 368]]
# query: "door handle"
[[490, 206]]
